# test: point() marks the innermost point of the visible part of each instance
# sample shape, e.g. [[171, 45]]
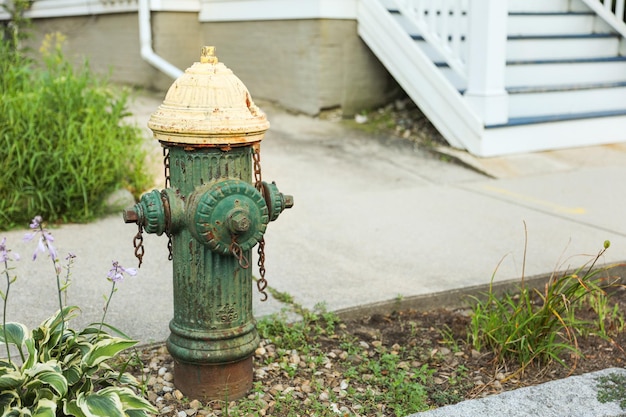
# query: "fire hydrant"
[[214, 215]]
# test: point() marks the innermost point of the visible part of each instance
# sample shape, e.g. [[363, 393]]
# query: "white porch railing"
[[470, 35], [612, 11], [443, 24]]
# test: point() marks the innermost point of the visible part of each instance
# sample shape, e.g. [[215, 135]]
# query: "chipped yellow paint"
[[530, 199], [208, 106]]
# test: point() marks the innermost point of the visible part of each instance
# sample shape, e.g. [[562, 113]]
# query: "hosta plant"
[[54, 370]]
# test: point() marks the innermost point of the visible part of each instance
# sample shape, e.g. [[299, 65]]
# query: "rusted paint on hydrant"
[[214, 214]]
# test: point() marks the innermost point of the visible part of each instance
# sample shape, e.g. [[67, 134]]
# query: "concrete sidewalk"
[[374, 220]]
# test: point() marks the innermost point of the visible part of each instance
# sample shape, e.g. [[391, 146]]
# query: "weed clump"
[[612, 388], [535, 327]]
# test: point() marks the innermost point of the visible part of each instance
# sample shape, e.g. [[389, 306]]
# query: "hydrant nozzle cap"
[[208, 106]]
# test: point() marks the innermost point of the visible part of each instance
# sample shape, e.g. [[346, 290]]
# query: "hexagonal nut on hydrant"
[[239, 221]]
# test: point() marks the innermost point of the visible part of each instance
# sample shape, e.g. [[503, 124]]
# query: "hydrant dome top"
[[208, 105]]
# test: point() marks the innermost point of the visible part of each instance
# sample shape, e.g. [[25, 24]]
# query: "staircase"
[[544, 74]]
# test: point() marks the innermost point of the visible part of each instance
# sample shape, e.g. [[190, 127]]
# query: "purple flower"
[[5, 254], [36, 222], [117, 271], [45, 241]]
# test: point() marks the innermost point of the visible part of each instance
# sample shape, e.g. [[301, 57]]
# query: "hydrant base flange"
[[225, 381]]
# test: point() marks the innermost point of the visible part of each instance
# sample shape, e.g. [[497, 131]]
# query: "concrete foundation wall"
[[111, 43], [304, 65]]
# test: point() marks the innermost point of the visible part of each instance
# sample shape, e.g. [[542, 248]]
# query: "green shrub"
[[64, 144]]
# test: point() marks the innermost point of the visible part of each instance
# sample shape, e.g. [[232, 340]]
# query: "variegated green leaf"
[[55, 380], [71, 408], [124, 378], [47, 394], [50, 374], [16, 333], [7, 399], [72, 374], [18, 412], [6, 366], [100, 404], [32, 353], [130, 400], [106, 349], [11, 380], [56, 320], [45, 408], [138, 413]]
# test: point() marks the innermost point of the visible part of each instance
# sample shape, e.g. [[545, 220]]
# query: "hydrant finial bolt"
[[208, 55]]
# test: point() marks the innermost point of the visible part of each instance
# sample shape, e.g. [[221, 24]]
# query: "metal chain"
[[238, 253], [261, 283], [166, 168], [256, 157], [166, 165], [258, 184], [138, 245]]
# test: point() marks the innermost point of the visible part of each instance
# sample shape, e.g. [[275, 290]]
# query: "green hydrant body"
[[214, 214]]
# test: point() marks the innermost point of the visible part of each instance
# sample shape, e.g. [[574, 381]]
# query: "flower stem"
[[106, 307], [5, 297], [56, 272]]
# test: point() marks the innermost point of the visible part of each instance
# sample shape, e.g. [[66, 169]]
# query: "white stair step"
[[552, 73], [530, 24], [561, 47], [550, 23], [583, 100], [538, 5], [553, 133]]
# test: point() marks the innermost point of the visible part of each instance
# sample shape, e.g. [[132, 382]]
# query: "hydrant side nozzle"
[[276, 201], [148, 213]]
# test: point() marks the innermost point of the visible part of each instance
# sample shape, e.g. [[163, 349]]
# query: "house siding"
[[305, 65]]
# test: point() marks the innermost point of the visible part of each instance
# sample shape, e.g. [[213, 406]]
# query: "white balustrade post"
[[486, 60]]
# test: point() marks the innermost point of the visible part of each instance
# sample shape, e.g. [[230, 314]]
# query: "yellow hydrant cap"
[[208, 105]]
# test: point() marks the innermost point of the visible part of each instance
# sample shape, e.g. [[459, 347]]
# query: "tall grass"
[[64, 143], [534, 326]]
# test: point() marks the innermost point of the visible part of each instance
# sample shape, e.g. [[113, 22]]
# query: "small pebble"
[[195, 404]]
